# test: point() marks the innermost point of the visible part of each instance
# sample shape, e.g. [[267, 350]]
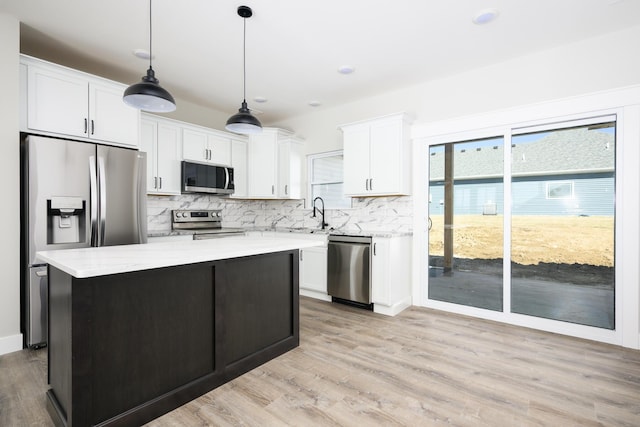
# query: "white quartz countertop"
[[91, 262]]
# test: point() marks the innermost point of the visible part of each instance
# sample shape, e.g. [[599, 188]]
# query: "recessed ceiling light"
[[485, 16], [142, 54], [315, 103], [260, 99], [346, 69]]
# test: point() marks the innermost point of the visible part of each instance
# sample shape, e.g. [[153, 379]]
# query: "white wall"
[[10, 337]]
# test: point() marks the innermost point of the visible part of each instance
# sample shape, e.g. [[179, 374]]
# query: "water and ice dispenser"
[[66, 220]]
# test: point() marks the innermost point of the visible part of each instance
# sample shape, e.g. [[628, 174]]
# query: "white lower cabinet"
[[313, 273], [391, 274], [312, 263]]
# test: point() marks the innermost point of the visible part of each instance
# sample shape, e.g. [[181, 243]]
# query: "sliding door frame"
[[625, 105]]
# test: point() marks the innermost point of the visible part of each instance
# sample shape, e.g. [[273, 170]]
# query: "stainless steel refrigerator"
[[74, 195]]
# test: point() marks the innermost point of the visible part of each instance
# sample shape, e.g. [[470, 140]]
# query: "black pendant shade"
[[148, 95], [243, 121]]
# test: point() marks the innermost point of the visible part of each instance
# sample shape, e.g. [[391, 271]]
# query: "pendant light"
[[243, 121], [148, 95]]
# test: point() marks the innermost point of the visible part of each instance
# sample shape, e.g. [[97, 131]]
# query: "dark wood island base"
[[127, 348]]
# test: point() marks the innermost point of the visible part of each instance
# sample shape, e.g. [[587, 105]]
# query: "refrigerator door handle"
[[103, 199], [94, 200]]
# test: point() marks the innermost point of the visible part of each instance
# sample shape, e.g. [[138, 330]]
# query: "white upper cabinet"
[[161, 140], [206, 146], [239, 157], [177, 141], [262, 164], [275, 165], [111, 120], [61, 101], [289, 169], [377, 157]]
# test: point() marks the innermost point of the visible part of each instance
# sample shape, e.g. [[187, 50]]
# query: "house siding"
[[593, 194]]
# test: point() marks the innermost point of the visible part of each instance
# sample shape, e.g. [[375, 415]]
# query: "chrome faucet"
[[322, 224]]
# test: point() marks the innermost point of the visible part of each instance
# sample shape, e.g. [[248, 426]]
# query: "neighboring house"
[[568, 172]]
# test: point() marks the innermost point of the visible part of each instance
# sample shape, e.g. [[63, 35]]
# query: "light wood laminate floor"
[[422, 367]]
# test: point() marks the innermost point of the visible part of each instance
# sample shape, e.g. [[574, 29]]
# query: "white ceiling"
[[294, 47]]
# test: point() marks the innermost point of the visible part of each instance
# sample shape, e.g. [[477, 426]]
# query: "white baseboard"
[[392, 310], [10, 344]]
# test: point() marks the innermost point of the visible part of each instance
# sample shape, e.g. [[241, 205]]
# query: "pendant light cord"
[[150, 34], [244, 59]]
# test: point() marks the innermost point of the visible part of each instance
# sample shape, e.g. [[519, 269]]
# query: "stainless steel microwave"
[[206, 178]]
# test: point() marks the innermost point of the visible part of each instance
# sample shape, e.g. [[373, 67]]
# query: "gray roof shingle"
[[577, 150]]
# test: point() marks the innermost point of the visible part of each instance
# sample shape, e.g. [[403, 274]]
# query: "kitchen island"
[[138, 330]]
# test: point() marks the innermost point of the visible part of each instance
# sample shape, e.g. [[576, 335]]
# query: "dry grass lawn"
[[535, 239]]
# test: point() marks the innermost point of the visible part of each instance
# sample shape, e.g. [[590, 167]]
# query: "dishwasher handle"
[[333, 238]]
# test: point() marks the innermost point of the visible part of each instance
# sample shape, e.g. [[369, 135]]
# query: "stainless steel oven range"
[[205, 224]]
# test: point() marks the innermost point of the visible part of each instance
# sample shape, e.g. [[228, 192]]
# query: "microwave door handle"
[[93, 208], [103, 199], [226, 174]]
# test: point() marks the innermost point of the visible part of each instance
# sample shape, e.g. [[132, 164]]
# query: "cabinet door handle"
[[160, 182], [286, 190], [300, 254], [206, 153], [155, 182], [273, 189], [209, 154], [371, 184], [374, 249], [85, 125], [366, 184], [93, 128]]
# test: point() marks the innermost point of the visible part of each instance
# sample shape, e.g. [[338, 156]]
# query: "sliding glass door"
[[560, 214], [562, 224], [465, 218]]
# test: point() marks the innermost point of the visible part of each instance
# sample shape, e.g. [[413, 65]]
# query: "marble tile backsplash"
[[366, 214]]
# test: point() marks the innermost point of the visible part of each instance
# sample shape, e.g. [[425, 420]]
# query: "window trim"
[[310, 182]]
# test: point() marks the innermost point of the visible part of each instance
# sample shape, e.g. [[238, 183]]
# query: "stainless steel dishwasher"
[[349, 270]]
